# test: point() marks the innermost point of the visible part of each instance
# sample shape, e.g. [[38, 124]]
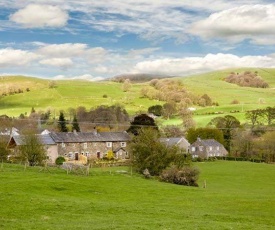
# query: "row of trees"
[[261, 116]]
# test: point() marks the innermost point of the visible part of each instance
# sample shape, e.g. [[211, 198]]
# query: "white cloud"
[[87, 77], [39, 16], [13, 57], [192, 65], [255, 22], [62, 63], [63, 50], [96, 54]]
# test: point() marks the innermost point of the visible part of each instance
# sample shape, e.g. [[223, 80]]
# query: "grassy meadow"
[[74, 93], [238, 195]]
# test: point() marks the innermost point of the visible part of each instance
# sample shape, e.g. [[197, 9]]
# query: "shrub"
[[59, 160], [186, 176], [105, 96]]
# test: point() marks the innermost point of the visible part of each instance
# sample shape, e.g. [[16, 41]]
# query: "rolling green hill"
[[74, 93]]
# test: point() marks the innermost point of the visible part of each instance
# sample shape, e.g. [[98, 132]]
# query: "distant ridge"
[[139, 77]]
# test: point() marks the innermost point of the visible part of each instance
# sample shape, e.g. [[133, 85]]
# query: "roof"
[[79, 137], [208, 142], [173, 140], [44, 139]]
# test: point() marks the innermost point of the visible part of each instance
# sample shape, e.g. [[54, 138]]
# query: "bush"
[[59, 160], [186, 176]]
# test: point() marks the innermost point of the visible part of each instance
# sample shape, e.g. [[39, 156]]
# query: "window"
[[109, 144], [63, 145], [85, 145], [123, 144], [193, 149], [218, 147], [71, 155], [201, 148], [210, 148], [87, 154]]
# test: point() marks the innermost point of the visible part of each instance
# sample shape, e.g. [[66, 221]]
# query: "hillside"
[[74, 93]]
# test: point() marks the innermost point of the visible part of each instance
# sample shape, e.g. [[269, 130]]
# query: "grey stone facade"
[[207, 148]]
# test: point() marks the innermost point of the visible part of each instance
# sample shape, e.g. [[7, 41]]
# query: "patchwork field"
[[238, 195]]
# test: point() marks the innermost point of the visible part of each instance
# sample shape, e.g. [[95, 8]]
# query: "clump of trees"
[[153, 158], [173, 91], [246, 79], [110, 116]]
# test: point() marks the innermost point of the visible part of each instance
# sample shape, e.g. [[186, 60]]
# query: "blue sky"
[[91, 39]]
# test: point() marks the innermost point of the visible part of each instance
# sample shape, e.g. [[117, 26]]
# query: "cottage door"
[[76, 156]]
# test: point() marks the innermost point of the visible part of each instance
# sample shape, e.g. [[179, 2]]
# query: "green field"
[[238, 195], [74, 93]]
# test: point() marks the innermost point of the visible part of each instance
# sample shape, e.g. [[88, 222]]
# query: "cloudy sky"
[[92, 39]]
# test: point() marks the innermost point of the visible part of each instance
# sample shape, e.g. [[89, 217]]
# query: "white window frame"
[[210, 148], [85, 145], [123, 144], [109, 144], [193, 149], [218, 147], [63, 145]]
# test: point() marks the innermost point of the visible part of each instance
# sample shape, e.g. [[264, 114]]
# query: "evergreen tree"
[[62, 123], [75, 124]]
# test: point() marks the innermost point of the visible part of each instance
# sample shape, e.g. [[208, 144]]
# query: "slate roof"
[[172, 140], [79, 137], [209, 142], [44, 139]]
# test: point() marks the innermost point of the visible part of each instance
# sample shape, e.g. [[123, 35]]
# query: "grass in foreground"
[[239, 195]]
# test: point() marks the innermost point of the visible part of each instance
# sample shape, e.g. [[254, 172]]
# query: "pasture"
[[238, 195]]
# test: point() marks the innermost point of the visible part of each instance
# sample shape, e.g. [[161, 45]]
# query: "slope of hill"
[[66, 94], [74, 93]]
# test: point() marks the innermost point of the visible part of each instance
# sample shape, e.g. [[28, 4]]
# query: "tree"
[[173, 131], [169, 109], [75, 125], [126, 85], [32, 150], [4, 152], [269, 115], [255, 116], [204, 133], [207, 99], [52, 84], [147, 152], [266, 146], [62, 123], [142, 121], [243, 144], [227, 125], [155, 109], [187, 118]]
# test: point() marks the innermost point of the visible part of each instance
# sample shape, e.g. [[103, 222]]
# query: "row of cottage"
[[75, 146]]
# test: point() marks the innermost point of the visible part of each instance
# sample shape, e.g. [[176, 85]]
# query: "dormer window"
[[85, 145], [63, 145], [109, 144], [123, 144], [210, 148], [201, 148]]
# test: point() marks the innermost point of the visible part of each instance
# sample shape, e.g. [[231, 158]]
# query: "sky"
[[94, 40]]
